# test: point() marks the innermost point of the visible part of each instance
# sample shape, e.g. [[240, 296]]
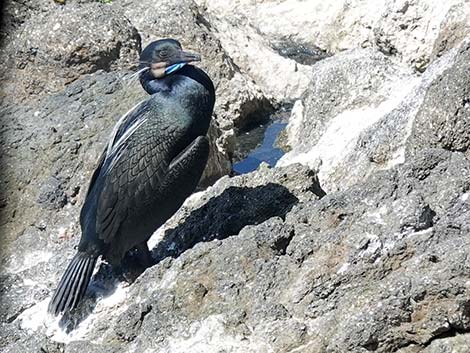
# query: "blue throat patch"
[[172, 68]]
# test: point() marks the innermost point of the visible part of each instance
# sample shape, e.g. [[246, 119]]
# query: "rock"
[[412, 31], [381, 125], [55, 49], [365, 268], [14, 14], [244, 200], [458, 344], [51, 145], [348, 81], [443, 119], [255, 56], [300, 53], [52, 194], [453, 29]]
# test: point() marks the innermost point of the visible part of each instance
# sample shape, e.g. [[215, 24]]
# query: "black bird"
[[152, 163]]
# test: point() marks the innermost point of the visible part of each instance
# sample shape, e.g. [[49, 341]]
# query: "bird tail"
[[73, 284]]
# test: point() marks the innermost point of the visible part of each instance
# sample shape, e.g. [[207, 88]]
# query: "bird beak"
[[186, 57]]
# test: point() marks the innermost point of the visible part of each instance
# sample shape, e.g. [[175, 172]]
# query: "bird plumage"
[[153, 161]]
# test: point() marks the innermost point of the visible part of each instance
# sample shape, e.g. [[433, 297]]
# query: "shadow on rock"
[[222, 216], [225, 215]]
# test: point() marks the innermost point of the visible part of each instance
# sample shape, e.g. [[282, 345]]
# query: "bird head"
[[165, 56]]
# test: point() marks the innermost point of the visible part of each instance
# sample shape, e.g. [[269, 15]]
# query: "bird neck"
[[154, 85]]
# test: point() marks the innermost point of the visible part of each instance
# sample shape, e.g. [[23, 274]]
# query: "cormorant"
[[152, 163]]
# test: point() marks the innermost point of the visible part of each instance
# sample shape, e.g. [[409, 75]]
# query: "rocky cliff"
[[357, 241]]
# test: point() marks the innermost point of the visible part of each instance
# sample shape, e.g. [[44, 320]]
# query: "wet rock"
[[302, 54]]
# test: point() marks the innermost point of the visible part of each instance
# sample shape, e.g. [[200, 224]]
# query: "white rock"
[[410, 29], [337, 137]]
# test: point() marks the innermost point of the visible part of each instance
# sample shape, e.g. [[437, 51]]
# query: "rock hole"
[[302, 53]]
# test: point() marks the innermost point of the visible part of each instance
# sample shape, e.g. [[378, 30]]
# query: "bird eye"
[[163, 53]]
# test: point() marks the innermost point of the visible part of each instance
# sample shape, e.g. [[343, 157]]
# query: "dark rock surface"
[[303, 54], [446, 124], [55, 47], [380, 266]]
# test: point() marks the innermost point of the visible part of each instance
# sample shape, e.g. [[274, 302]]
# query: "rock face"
[[412, 31], [365, 111], [357, 241], [446, 124], [55, 47], [380, 266]]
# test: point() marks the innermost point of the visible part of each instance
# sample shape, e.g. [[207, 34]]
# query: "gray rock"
[[255, 55], [233, 203], [36, 345], [457, 344], [412, 32], [53, 48], [50, 147], [453, 30], [367, 268], [444, 117], [52, 195], [340, 122], [349, 81]]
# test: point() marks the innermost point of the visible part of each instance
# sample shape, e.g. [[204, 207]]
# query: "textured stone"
[[54, 48], [363, 111], [412, 31], [444, 117], [367, 268]]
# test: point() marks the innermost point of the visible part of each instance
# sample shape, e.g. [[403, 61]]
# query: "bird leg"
[[144, 255], [135, 262]]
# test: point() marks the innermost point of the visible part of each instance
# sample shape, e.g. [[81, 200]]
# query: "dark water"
[[259, 144]]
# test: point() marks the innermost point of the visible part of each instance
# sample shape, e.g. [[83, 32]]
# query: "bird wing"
[[118, 130], [135, 165]]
